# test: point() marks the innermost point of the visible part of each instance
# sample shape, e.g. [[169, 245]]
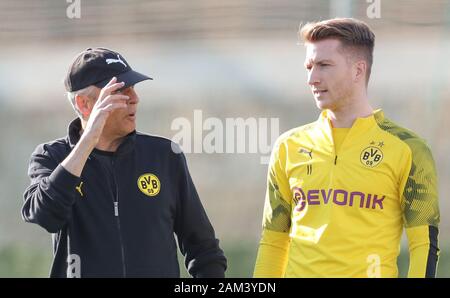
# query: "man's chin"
[[322, 104], [130, 123], [128, 128], [131, 129]]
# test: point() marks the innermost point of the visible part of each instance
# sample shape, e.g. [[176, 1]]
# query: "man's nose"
[[134, 98], [313, 77]]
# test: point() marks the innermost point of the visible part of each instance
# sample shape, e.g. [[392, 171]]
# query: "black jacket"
[[104, 225]]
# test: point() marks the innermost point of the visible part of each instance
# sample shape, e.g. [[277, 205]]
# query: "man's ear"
[[360, 69], [84, 105]]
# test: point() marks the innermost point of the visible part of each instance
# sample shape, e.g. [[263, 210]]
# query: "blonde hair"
[[353, 34]]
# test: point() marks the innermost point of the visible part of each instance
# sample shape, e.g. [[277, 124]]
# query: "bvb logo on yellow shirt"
[[371, 156], [149, 184]]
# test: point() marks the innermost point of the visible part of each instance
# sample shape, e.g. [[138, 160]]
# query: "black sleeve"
[[196, 236], [51, 194]]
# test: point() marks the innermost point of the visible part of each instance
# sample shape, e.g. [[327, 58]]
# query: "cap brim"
[[130, 78]]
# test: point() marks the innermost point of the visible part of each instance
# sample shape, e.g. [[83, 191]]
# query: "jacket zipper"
[[116, 214]]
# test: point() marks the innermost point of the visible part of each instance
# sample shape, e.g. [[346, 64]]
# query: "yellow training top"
[[341, 214], [339, 135]]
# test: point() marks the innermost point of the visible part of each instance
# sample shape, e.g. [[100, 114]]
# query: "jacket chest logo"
[[149, 184], [372, 156], [78, 188], [307, 152]]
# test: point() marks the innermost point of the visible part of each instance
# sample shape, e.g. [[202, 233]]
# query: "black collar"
[[73, 134]]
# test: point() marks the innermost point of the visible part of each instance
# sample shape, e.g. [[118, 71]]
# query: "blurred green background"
[[227, 59]]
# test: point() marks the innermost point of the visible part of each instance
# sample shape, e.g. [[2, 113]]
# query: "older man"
[[112, 197]]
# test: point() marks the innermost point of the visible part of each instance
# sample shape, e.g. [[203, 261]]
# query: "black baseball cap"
[[97, 66]]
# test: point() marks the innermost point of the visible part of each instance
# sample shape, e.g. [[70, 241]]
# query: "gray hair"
[[89, 91]]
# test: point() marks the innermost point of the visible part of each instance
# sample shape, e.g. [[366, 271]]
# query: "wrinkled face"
[[329, 74], [122, 121]]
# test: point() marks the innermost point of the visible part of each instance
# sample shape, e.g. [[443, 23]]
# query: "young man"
[[341, 189], [113, 198]]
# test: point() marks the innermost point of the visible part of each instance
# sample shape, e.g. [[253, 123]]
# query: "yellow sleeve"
[[421, 210], [274, 245], [423, 251], [272, 255]]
